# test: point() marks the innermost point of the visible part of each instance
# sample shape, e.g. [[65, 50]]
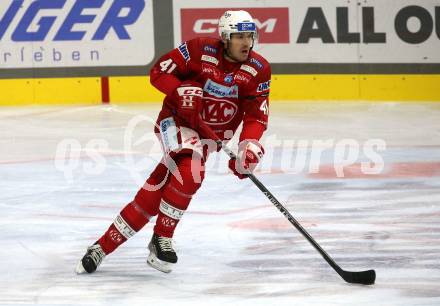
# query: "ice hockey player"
[[220, 81]]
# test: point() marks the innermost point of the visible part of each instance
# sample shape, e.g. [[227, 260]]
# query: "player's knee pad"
[[148, 201], [148, 197], [157, 178], [184, 182]]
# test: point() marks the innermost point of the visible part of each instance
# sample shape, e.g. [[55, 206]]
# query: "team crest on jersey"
[[218, 111], [229, 78], [263, 86], [256, 62], [220, 91], [210, 59], [249, 69], [183, 49]]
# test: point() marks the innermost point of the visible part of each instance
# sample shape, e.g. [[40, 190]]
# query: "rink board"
[[89, 91]]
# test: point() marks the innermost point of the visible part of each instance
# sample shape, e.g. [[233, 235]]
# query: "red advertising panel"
[[272, 23]]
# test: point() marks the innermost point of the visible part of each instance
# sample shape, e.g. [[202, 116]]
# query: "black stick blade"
[[362, 277]]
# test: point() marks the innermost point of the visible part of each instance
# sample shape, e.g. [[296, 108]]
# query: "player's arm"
[[256, 106], [173, 68], [256, 115], [170, 76]]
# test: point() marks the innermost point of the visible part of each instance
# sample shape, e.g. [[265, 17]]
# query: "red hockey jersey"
[[232, 92]]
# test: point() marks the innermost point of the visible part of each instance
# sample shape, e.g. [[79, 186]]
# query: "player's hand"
[[249, 155], [188, 102]]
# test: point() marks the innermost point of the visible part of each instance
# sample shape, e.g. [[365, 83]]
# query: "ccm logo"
[[190, 91], [272, 23]]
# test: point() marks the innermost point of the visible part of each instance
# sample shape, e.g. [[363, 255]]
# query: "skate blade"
[[79, 268], [158, 264]]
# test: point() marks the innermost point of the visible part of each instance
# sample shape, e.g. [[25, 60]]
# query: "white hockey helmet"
[[236, 22]]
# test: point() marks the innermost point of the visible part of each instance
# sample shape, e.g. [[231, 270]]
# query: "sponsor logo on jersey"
[[208, 69], [242, 77], [263, 86], [272, 23], [210, 59], [183, 48], [210, 49], [249, 69], [217, 111], [220, 91], [256, 62], [229, 78]]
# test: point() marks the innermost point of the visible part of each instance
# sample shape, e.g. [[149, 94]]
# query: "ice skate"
[[162, 256], [91, 260]]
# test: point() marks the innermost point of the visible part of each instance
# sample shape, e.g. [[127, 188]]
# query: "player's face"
[[240, 45]]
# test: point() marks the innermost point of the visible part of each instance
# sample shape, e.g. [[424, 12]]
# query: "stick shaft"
[[295, 223], [207, 131], [364, 277]]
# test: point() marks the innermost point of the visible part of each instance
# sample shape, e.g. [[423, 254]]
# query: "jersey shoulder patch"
[[264, 86], [194, 48], [256, 65], [183, 49], [210, 50], [257, 61]]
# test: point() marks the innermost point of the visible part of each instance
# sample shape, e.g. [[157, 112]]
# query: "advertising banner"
[[75, 33], [320, 31]]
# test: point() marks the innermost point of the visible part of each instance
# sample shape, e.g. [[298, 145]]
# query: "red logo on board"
[[272, 23]]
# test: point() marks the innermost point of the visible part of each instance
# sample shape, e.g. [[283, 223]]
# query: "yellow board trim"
[[87, 91], [356, 87], [68, 91], [133, 90]]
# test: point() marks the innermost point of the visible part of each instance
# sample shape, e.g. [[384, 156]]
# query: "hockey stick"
[[360, 277]]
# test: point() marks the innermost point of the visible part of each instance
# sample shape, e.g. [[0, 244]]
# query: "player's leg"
[[176, 196], [175, 141], [132, 218], [186, 154]]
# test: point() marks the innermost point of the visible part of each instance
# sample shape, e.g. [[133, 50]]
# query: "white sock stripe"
[[170, 211], [123, 227]]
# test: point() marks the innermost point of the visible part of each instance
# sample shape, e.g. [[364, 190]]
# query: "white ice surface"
[[234, 247]]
